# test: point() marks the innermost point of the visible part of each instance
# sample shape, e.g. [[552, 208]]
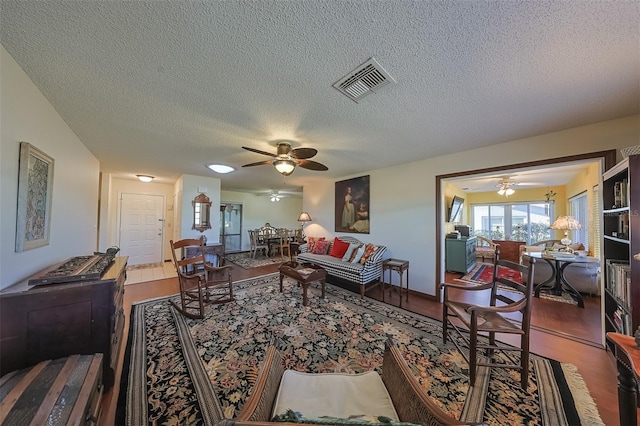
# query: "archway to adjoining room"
[[605, 159]]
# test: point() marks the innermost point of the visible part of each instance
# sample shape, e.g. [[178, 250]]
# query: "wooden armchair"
[[411, 403], [200, 282], [491, 319]]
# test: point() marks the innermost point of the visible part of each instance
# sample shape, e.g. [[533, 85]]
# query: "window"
[[519, 222], [578, 209]]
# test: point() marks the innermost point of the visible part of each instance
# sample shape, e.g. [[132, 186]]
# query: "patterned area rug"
[[246, 261], [180, 371], [483, 273]]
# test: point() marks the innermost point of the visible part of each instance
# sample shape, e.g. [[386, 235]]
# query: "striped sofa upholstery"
[[357, 273]]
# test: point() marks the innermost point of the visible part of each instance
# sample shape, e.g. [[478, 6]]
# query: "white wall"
[[190, 187], [258, 210], [28, 116], [403, 198]]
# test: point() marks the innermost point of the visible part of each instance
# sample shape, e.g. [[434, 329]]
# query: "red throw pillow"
[[321, 247], [339, 248], [311, 241], [368, 251]]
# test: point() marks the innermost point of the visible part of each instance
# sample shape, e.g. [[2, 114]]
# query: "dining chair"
[[282, 242], [258, 242], [506, 298], [200, 282]]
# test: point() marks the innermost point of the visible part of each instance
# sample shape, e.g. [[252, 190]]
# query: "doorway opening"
[[606, 159], [231, 227]]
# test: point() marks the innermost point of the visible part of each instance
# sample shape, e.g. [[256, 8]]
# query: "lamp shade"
[[566, 223], [304, 217]]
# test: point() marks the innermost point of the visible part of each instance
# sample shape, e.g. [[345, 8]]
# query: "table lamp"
[[304, 217], [566, 223]]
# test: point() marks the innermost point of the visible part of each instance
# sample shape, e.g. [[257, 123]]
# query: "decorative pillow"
[[351, 252], [311, 241], [321, 247], [576, 246], [368, 251], [339, 248], [358, 254]]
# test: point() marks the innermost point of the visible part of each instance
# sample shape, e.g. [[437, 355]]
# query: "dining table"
[[557, 283]]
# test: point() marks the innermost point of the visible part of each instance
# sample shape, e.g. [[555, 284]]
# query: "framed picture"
[[35, 186], [352, 205]]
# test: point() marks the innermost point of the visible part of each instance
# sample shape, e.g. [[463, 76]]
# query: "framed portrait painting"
[[352, 205], [35, 186]]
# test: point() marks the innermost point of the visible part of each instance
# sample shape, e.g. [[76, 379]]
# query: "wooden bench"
[[64, 391]]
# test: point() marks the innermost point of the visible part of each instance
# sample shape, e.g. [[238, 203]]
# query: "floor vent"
[[368, 78]]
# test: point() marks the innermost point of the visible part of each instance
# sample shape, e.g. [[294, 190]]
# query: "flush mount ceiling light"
[[145, 178], [220, 168], [505, 187]]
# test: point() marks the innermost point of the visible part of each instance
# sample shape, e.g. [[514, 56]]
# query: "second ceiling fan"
[[286, 159]]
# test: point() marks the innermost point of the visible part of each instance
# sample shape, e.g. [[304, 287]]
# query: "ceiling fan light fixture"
[[284, 166], [275, 197], [505, 188]]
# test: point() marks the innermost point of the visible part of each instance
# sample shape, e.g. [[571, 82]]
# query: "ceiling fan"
[[286, 159]]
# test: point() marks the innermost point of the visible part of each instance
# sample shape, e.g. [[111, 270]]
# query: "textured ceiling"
[[163, 87]]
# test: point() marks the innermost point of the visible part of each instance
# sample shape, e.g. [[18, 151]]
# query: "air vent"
[[364, 80]]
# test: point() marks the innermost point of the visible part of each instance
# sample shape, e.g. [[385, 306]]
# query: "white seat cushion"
[[333, 394]]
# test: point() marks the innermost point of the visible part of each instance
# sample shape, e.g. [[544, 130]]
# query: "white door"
[[141, 228]]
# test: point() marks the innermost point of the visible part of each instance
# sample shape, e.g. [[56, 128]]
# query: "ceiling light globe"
[[509, 191], [145, 178], [284, 167]]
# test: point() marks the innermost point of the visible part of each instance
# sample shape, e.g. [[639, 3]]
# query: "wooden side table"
[[400, 266], [628, 362]]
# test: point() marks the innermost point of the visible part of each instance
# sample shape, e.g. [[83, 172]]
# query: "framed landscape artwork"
[[35, 186], [352, 205]]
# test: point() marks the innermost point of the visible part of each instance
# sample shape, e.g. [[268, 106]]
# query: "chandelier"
[[505, 187]]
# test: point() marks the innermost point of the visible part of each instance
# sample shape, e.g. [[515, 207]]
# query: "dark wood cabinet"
[[210, 251], [52, 321], [510, 250]]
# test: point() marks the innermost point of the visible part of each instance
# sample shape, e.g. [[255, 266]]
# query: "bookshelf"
[[621, 228]]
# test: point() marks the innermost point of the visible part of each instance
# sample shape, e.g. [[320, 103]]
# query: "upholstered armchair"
[[485, 248]]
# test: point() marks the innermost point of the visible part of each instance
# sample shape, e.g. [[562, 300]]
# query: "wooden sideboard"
[[52, 321], [460, 254], [510, 250]]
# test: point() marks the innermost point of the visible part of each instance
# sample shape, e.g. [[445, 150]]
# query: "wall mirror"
[[201, 213]]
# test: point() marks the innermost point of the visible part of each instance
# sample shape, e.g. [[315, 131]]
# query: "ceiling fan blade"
[[303, 153], [258, 151], [259, 163], [312, 165]]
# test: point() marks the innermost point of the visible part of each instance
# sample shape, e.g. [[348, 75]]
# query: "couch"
[[356, 273], [582, 276]]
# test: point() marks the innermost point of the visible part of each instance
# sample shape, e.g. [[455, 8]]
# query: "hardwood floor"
[[596, 365]]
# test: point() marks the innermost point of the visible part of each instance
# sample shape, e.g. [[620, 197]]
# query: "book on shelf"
[[619, 280], [620, 194]]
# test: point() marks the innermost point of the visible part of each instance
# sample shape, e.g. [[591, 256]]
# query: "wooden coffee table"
[[304, 274]]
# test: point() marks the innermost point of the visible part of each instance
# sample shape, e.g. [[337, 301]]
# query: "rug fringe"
[[586, 406]]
